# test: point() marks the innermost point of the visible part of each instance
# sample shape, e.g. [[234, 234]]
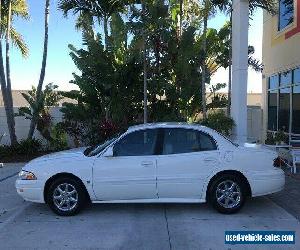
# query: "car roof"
[[168, 125], [218, 137]]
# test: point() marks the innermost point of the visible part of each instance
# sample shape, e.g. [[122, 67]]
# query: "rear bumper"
[[30, 190], [266, 182]]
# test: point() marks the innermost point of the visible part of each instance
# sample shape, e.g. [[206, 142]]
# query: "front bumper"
[[266, 182], [31, 190]]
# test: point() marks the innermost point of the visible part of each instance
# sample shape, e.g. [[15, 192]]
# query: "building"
[[281, 76], [19, 100]]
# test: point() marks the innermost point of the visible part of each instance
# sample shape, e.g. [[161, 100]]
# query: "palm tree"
[[226, 6], [49, 97], [102, 10], [207, 10], [43, 70], [8, 77], [145, 67], [9, 9]]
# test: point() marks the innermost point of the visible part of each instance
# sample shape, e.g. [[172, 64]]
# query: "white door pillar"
[[240, 23]]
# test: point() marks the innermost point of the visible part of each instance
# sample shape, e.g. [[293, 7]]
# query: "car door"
[[187, 158], [131, 172]]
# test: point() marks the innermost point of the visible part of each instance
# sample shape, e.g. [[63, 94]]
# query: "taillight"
[[278, 162]]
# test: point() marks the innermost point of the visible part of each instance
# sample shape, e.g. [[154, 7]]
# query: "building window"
[[286, 13], [286, 79], [274, 82], [297, 76], [272, 110], [296, 110], [284, 109], [284, 102]]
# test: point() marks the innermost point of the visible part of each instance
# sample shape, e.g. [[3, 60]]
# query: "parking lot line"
[[10, 176]]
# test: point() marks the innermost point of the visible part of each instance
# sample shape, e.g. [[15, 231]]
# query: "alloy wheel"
[[228, 194], [65, 197]]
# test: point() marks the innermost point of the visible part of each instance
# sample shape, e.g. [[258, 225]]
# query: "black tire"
[[79, 194], [239, 194]]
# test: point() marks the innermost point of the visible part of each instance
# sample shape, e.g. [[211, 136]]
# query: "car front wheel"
[[227, 194], [66, 196]]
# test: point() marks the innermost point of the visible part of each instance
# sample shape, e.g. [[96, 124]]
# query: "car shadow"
[[254, 207]]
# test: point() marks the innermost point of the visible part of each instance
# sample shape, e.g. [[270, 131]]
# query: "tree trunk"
[[181, 17], [42, 74], [203, 87], [8, 95], [2, 75], [145, 70], [105, 27], [230, 67]]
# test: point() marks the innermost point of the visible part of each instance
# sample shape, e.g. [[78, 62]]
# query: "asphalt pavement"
[[25, 225]]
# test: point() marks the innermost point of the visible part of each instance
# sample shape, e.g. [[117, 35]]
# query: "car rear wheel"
[[66, 196], [227, 194]]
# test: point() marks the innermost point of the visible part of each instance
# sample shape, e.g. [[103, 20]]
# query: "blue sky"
[[25, 72], [255, 39]]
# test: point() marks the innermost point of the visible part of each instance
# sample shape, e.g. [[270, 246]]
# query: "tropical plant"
[[281, 137], [8, 11], [207, 11], [159, 44], [220, 122], [49, 97], [226, 6], [59, 138], [26, 147], [217, 100], [106, 76], [43, 71], [88, 10]]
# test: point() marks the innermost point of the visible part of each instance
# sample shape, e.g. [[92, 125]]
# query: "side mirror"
[[109, 152]]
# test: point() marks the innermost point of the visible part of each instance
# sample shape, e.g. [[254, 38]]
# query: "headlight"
[[25, 175]]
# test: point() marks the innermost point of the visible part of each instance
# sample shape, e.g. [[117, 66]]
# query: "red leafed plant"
[[108, 128]]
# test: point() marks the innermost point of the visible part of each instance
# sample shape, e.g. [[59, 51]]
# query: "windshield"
[[96, 149]]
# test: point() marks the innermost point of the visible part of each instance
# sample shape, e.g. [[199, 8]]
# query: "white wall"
[[254, 124], [22, 125]]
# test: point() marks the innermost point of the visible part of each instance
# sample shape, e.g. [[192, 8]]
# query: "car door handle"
[[210, 160], [147, 164]]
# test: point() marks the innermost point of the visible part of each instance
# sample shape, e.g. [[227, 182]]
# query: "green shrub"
[[58, 140], [219, 122], [28, 147], [270, 139], [276, 137]]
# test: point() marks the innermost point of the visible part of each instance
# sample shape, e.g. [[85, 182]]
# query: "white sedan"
[[151, 163]]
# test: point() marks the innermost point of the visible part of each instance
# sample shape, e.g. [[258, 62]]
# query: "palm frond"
[[30, 99], [19, 42], [24, 111], [20, 9]]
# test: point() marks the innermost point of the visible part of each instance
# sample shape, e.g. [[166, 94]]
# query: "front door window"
[[137, 143]]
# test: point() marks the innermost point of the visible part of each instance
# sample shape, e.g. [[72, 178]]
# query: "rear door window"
[[181, 141]]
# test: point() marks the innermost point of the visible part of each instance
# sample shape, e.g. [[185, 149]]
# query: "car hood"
[[71, 153]]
